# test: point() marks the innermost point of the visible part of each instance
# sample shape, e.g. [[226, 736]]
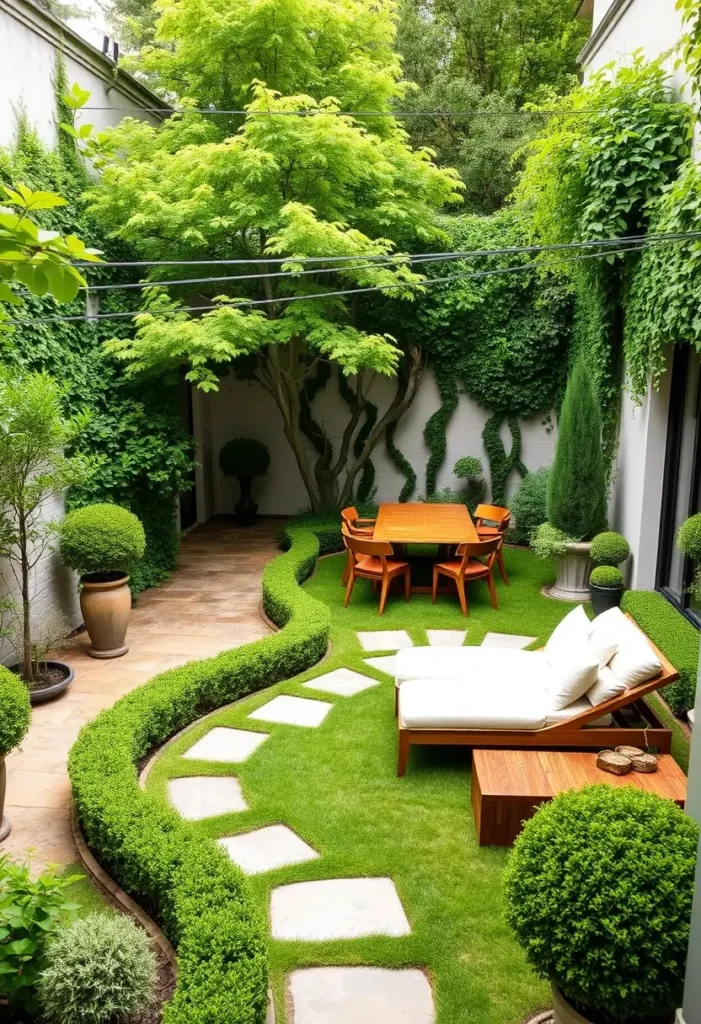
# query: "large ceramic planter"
[[41, 692], [603, 598], [106, 607], [563, 1013], [573, 568], [246, 510], [5, 827]]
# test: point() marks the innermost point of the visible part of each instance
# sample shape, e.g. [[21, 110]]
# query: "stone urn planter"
[[573, 568], [106, 606], [563, 1013]]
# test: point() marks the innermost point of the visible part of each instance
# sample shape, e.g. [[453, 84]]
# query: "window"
[[681, 495]]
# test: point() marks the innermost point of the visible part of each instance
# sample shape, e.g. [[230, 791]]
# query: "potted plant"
[[689, 543], [102, 542], [608, 551], [243, 457], [470, 469], [576, 494], [599, 890], [34, 467], [14, 722]]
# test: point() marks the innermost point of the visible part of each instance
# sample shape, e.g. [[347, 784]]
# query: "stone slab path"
[[210, 604], [360, 995], [337, 908], [199, 797], [286, 710], [268, 848], [226, 746]]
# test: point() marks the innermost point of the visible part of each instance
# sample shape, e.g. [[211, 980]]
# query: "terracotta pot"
[[5, 826], [563, 1013], [106, 606], [573, 568]]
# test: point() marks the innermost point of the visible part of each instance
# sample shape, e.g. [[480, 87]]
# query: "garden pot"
[[573, 568], [603, 598], [43, 691], [246, 510], [5, 826], [106, 605], [563, 1013]]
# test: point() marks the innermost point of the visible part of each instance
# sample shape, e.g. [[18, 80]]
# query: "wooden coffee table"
[[508, 786]]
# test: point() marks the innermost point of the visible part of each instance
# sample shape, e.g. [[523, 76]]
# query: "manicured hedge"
[[15, 712], [199, 896], [676, 638]]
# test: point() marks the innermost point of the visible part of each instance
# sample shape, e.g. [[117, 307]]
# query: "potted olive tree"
[[14, 722], [102, 543], [608, 551], [599, 890], [245, 458], [35, 438], [576, 494]]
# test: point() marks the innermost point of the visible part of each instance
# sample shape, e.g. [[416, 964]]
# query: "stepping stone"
[[446, 637], [293, 711], [337, 908], [206, 796], [343, 681], [385, 664], [349, 995], [507, 640], [226, 745], [384, 639], [265, 849]]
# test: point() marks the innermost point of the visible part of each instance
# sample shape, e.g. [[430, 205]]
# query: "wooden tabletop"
[[542, 774], [424, 523]]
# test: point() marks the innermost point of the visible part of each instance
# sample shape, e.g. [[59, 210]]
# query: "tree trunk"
[[26, 618]]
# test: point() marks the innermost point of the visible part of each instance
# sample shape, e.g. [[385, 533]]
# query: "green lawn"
[[85, 892], [336, 786]]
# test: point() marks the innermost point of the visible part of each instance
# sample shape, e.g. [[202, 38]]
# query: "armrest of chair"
[[361, 520]]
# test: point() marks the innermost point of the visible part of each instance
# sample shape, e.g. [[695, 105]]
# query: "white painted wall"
[[243, 409]]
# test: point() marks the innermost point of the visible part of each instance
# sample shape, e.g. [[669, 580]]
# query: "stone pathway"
[[211, 604], [351, 995]]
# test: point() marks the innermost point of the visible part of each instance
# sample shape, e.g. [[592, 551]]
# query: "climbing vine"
[[401, 463], [500, 463], [437, 424]]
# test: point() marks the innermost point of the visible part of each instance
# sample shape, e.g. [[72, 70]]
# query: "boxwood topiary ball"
[[101, 539], [243, 456], [606, 576], [15, 712], [599, 890], [609, 548], [689, 537]]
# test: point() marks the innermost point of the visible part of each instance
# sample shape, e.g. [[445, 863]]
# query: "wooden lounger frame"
[[571, 734]]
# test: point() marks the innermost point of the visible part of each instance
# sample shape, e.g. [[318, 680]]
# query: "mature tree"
[[317, 185]]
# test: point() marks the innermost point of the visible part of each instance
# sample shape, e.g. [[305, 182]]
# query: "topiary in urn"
[[244, 458]]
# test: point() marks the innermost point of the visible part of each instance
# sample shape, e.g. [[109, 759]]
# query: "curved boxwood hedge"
[[676, 638], [15, 712], [190, 885]]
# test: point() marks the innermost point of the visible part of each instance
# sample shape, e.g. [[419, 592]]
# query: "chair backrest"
[[480, 549], [349, 516], [494, 514], [365, 546]]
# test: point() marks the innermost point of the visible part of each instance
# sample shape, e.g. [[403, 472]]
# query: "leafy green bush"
[[606, 576], [676, 638], [528, 505], [200, 896], [609, 548], [576, 499], [15, 712], [599, 890], [98, 970], [243, 456], [689, 543], [101, 539], [31, 912], [549, 542]]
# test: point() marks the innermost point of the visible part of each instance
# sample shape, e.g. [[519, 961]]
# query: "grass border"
[[199, 897]]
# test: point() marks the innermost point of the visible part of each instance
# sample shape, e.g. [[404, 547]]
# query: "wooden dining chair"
[[469, 567], [372, 560], [357, 526], [494, 521]]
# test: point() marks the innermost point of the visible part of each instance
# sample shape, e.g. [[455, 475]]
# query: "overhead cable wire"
[[249, 303], [318, 111]]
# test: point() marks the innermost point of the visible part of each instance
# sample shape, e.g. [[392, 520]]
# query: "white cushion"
[[573, 631], [571, 674], [450, 704], [479, 665], [635, 661], [576, 708], [607, 685]]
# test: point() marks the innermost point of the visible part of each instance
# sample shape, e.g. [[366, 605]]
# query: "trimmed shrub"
[[15, 712], [101, 539], [98, 970], [528, 505], [576, 499], [609, 548], [599, 890], [243, 456], [676, 638], [689, 543], [549, 542], [606, 576], [200, 897]]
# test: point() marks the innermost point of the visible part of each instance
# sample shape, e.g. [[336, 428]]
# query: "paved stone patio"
[[226, 746], [264, 849], [360, 995], [206, 796], [337, 908], [210, 604]]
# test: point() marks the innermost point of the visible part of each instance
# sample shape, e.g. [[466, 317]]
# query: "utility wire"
[[247, 303], [316, 112]]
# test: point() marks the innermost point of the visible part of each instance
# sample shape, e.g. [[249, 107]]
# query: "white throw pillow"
[[571, 633], [607, 685], [635, 661], [572, 674], [609, 628], [603, 652]]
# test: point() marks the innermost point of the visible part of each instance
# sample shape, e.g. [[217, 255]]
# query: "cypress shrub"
[[576, 501]]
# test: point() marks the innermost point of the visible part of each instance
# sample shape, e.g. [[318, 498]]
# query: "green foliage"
[[15, 713], [31, 912], [202, 898], [576, 501], [98, 970], [244, 456], [614, 862], [401, 463], [467, 467], [549, 542], [676, 638], [606, 576], [501, 464], [528, 505], [689, 537], [101, 539], [609, 548]]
